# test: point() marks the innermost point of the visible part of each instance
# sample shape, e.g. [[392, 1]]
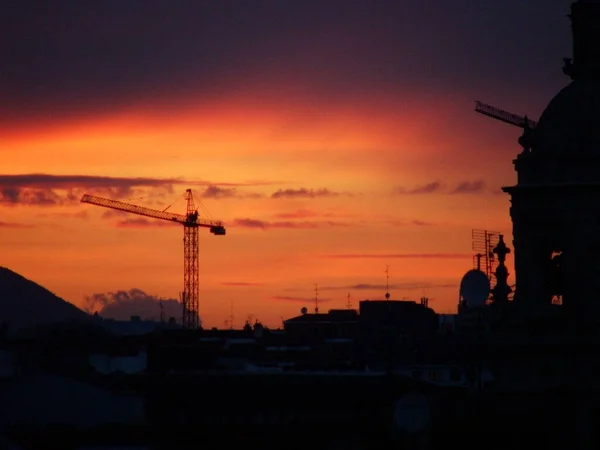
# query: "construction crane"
[[528, 125], [191, 223]]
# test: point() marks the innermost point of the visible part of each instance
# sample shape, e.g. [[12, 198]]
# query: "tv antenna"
[[316, 298], [162, 311], [230, 319], [387, 282], [349, 303]]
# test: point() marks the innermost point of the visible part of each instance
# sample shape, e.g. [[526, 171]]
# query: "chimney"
[[585, 24]]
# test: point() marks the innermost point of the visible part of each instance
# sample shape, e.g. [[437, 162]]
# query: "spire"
[[501, 290], [585, 24]]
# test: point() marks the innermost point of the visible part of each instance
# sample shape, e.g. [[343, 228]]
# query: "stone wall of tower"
[[586, 34], [553, 219], [534, 232]]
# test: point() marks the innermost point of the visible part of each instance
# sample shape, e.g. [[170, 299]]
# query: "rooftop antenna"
[[349, 303], [316, 299], [231, 316], [162, 311], [387, 282]]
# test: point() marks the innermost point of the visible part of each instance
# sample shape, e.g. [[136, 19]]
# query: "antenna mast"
[[387, 282], [316, 299], [231, 316], [162, 311], [349, 303]]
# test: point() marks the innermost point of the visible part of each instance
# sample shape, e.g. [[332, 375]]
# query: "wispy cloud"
[[429, 188], [400, 256], [381, 287], [437, 187], [298, 214], [299, 299], [306, 213], [264, 225], [249, 223], [469, 187], [66, 215], [305, 193], [404, 223], [15, 225], [218, 192], [51, 190], [144, 223]]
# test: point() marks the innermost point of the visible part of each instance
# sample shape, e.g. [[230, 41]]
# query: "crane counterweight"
[[191, 222]]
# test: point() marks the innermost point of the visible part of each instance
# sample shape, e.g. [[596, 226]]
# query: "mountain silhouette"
[[25, 304]]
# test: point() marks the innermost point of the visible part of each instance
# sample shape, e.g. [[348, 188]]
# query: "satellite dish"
[[474, 288], [412, 413], [304, 310]]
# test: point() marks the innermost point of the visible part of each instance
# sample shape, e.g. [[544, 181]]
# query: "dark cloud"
[[382, 287], [469, 187], [249, 223], [304, 193], [68, 58], [217, 192], [241, 283], [49, 190], [121, 305], [299, 299], [436, 187], [401, 256], [263, 225], [429, 188], [420, 223]]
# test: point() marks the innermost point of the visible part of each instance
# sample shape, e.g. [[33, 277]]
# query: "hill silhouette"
[[25, 304]]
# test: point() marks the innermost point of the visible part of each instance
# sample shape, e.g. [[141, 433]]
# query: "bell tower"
[[555, 205]]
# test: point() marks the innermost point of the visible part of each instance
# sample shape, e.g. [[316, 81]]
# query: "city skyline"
[[333, 143]]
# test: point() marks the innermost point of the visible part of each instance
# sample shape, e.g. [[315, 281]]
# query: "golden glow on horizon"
[[360, 151]]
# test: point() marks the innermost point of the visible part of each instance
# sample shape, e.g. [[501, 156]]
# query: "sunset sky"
[[333, 138]]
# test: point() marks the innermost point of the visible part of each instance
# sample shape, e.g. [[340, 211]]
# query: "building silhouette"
[[554, 205]]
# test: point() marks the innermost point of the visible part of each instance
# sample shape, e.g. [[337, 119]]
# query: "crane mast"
[[191, 223], [190, 294]]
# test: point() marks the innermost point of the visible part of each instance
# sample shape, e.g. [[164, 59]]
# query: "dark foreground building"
[[525, 377]]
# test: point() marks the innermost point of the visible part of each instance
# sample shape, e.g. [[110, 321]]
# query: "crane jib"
[[216, 227], [190, 221], [504, 116]]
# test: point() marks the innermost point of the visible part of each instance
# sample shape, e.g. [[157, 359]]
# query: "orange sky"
[[361, 160], [367, 138]]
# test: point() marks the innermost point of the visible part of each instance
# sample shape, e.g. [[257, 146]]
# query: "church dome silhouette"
[[570, 124]]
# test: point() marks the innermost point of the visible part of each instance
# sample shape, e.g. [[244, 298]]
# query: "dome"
[[570, 125]]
